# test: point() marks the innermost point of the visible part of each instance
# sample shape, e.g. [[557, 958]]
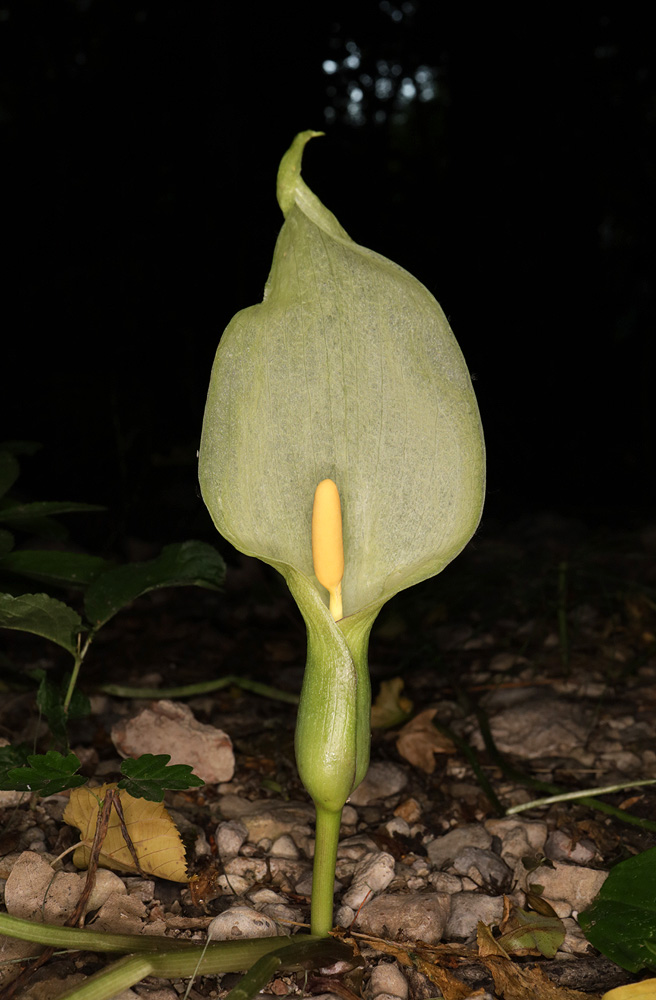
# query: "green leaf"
[[42, 615], [21, 447], [9, 471], [6, 541], [148, 776], [73, 569], [184, 564], [621, 923], [535, 930], [48, 773], [50, 701], [16, 513], [11, 757]]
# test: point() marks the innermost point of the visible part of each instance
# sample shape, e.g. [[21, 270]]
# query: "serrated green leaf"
[[42, 615], [73, 569], [148, 776], [48, 773], [9, 471], [621, 923], [11, 757], [184, 564]]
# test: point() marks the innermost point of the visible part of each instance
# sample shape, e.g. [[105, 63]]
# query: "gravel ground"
[[541, 636]]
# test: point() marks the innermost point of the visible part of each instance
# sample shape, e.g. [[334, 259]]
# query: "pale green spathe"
[[347, 370]]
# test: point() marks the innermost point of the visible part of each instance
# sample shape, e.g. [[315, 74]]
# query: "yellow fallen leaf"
[[646, 990], [391, 708], [153, 833]]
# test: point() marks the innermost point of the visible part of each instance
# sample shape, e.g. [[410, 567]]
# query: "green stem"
[[118, 977], [580, 794], [174, 959], [78, 659], [323, 874], [203, 687], [546, 786]]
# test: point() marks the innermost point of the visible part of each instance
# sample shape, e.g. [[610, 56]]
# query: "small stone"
[[355, 848], [443, 850], [142, 888], [121, 914], [233, 885], [106, 883], [409, 810], [35, 892], [537, 726], [270, 820], [519, 838], [561, 847], [413, 917], [349, 816], [251, 869], [260, 897], [485, 868], [415, 883], [344, 916], [398, 827], [373, 874], [387, 978], [170, 727], [569, 888], [229, 836], [467, 908], [575, 942], [445, 882], [284, 847], [287, 873], [241, 922], [383, 780]]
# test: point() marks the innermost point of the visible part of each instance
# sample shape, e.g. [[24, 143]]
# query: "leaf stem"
[[323, 874], [579, 794], [546, 786], [78, 659], [203, 687]]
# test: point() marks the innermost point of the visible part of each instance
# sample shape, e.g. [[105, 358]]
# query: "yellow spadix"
[[327, 543]]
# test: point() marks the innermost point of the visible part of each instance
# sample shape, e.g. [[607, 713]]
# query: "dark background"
[[506, 160]]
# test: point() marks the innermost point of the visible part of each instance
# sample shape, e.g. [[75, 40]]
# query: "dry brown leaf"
[[419, 741], [153, 833], [515, 982], [487, 943]]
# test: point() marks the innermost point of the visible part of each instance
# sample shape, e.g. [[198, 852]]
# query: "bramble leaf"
[[177, 565], [148, 776], [42, 615], [47, 773], [74, 569], [11, 757]]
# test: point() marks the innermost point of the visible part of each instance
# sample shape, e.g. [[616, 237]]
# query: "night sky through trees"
[[507, 161]]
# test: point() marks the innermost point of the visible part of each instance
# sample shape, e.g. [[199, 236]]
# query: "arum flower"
[[347, 372]]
